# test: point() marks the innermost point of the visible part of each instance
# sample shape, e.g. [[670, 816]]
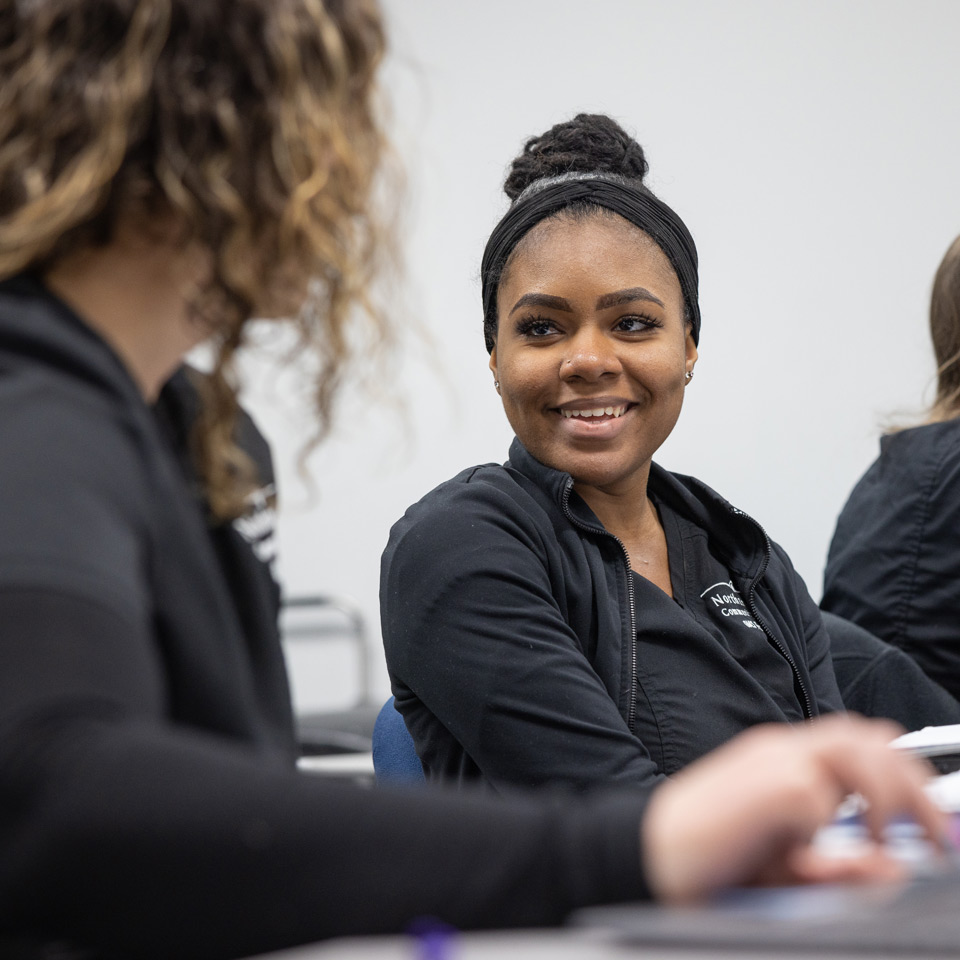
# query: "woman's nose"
[[590, 356]]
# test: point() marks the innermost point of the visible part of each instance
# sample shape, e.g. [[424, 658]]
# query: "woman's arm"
[[146, 838], [143, 836], [482, 659]]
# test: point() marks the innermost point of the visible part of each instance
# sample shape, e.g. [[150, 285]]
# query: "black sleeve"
[[879, 680], [471, 626], [925, 624], [125, 831], [148, 840], [825, 691]]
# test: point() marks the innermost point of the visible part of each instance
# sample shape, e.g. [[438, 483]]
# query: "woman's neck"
[[623, 508], [134, 291], [630, 515]]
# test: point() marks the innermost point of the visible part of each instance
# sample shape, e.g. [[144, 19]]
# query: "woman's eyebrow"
[[627, 296], [542, 300]]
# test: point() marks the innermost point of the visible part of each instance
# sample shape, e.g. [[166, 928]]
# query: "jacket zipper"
[[752, 607], [632, 701], [807, 704]]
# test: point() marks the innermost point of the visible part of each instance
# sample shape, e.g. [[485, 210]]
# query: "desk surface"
[[348, 765], [532, 945]]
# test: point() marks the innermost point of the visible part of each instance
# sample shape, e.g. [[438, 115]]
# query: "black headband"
[[633, 202]]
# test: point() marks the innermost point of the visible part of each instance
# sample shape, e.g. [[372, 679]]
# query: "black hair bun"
[[589, 143]]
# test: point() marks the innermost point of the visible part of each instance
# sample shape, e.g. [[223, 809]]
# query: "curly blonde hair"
[[253, 122]]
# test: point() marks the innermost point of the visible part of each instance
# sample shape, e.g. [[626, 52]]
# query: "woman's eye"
[[636, 324], [536, 327]]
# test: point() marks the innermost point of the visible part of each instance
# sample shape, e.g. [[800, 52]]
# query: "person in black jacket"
[[168, 170], [893, 565], [580, 615]]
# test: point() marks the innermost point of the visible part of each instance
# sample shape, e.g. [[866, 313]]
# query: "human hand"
[[746, 813]]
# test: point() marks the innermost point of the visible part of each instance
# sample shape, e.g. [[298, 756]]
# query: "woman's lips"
[[596, 413], [594, 422]]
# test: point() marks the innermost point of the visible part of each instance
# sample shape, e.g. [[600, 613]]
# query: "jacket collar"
[[738, 539], [553, 482]]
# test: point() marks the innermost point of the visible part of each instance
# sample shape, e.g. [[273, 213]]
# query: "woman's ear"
[[690, 350], [493, 369]]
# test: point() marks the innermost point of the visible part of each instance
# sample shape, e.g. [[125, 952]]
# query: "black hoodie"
[[149, 803]]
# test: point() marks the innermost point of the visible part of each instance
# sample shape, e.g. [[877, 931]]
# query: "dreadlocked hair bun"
[[589, 143]]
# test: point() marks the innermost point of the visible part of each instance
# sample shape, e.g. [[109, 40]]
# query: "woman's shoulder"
[[78, 495], [482, 504], [912, 466], [73, 454], [924, 434], [477, 490], [61, 430], [921, 448]]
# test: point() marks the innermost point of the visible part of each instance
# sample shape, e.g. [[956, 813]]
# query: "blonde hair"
[[253, 122], [945, 334]]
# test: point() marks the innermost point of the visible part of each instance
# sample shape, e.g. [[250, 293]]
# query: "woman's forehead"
[[599, 242]]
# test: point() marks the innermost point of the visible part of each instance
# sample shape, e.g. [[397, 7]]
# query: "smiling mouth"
[[596, 413]]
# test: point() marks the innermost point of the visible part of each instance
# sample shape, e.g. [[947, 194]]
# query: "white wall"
[[812, 148]]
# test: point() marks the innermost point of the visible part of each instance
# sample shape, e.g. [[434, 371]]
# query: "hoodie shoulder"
[[72, 474]]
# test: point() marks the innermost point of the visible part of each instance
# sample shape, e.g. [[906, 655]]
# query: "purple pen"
[[435, 939]]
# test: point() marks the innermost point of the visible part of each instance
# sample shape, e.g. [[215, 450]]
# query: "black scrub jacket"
[[523, 653], [894, 561]]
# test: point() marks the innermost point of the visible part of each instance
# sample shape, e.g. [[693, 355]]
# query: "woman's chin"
[[611, 478]]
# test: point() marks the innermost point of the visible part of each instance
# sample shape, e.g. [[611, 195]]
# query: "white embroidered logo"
[[726, 600], [259, 525]]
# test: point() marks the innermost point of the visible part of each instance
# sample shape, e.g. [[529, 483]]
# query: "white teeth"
[[598, 412]]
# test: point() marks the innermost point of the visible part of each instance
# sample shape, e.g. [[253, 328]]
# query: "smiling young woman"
[[592, 367], [580, 615]]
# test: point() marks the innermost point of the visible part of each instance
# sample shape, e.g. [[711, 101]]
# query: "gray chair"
[[326, 618]]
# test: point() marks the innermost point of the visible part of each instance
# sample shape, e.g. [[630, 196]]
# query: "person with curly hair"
[[168, 170]]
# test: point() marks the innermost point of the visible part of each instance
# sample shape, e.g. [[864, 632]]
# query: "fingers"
[[747, 812], [807, 865], [856, 755], [735, 813]]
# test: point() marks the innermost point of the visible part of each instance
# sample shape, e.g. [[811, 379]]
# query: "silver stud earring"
[[496, 385], [688, 376]]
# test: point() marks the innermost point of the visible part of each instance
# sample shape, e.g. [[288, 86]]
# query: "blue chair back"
[[394, 758]]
